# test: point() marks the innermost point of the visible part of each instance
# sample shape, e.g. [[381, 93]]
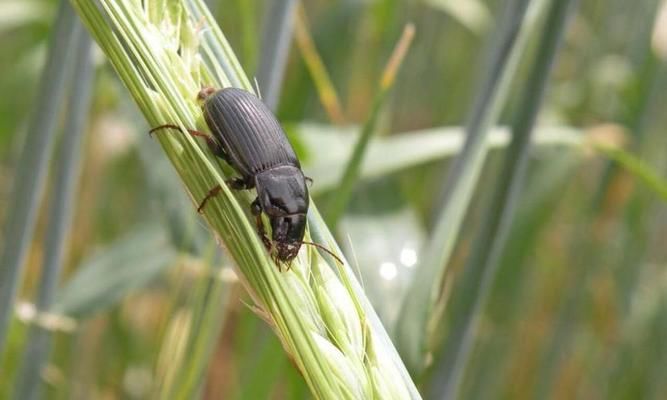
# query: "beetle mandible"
[[249, 137]]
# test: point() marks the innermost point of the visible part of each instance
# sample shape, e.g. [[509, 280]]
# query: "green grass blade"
[[469, 297], [60, 217], [32, 167], [508, 45], [351, 172], [330, 147], [352, 168]]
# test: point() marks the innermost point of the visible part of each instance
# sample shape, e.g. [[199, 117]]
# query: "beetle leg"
[[216, 148], [212, 144], [211, 193], [238, 184], [256, 210], [262, 233], [172, 126]]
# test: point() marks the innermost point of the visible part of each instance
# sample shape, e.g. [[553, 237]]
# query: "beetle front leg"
[[239, 184], [256, 210]]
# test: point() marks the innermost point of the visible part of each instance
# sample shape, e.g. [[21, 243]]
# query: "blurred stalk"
[[60, 216], [314, 65], [470, 295], [353, 166], [31, 168], [508, 43], [276, 38]]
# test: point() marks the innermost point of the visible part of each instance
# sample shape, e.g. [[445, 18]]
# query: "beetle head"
[[283, 196], [288, 232]]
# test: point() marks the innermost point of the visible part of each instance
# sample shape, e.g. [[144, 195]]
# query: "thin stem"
[[353, 166], [314, 64]]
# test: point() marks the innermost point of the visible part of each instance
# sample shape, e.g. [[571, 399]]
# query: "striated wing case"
[[249, 133]]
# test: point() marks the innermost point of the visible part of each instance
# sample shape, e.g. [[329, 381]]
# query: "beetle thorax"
[[282, 191]]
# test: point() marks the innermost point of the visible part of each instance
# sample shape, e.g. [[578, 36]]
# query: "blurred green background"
[[576, 309]]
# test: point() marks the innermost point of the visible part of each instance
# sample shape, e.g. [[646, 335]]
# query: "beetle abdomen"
[[249, 133]]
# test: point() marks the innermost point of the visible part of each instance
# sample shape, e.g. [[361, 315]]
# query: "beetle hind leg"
[[212, 144], [193, 132]]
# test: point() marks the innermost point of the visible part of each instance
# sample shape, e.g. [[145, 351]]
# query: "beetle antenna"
[[319, 246]]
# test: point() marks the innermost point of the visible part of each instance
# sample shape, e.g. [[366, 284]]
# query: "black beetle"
[[249, 137]]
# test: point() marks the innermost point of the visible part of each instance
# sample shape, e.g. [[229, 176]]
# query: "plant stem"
[[318, 72]]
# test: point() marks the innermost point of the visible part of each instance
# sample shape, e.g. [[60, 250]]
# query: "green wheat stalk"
[[165, 51]]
